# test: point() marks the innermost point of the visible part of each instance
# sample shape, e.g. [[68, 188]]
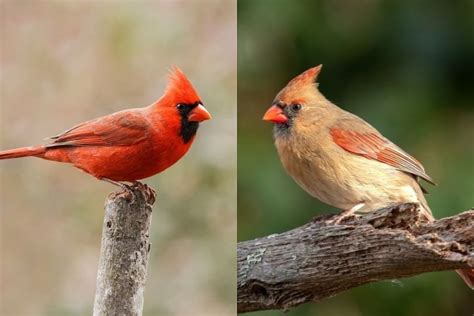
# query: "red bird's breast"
[[126, 146], [124, 163]]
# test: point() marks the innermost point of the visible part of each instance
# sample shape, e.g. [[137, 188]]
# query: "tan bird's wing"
[[374, 146]]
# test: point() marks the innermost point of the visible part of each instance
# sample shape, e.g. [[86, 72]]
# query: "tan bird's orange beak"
[[199, 114], [275, 114]]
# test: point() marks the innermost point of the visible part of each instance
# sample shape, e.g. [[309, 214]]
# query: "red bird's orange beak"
[[199, 114], [275, 114]]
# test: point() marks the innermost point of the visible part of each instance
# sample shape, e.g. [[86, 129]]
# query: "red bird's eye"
[[180, 106]]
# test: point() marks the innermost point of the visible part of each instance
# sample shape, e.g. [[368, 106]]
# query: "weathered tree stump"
[[124, 253], [321, 259]]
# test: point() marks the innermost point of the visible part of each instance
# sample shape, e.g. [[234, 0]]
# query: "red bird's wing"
[[376, 147], [119, 129]]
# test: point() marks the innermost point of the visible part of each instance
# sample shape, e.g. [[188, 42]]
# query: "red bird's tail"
[[22, 152], [468, 276]]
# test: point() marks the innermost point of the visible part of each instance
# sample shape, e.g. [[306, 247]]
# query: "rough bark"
[[321, 259], [124, 253]]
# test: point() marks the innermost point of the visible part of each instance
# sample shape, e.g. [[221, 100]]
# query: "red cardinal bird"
[[132, 144], [339, 158]]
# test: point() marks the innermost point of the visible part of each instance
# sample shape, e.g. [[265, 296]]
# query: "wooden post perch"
[[321, 259], [124, 253]]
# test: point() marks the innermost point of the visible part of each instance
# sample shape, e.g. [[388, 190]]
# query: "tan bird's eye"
[[296, 107]]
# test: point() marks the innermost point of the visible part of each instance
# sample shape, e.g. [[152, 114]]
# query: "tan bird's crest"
[[308, 77], [300, 88]]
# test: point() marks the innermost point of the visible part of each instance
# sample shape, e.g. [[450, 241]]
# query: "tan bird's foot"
[[345, 214]]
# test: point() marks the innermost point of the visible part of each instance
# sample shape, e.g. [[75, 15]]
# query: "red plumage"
[[132, 144]]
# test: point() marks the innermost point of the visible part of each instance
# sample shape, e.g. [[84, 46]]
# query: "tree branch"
[[124, 253], [321, 259]]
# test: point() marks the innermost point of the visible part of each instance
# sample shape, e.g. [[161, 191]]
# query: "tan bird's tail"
[[467, 274], [23, 152]]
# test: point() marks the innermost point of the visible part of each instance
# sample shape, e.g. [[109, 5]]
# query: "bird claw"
[[338, 218], [129, 189], [129, 192], [149, 192]]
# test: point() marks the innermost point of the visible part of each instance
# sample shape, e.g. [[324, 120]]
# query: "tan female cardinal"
[[132, 144], [339, 158]]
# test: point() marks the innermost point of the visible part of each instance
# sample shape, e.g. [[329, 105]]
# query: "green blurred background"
[[407, 67], [63, 62]]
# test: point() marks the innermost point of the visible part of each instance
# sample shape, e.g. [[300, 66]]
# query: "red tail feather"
[[22, 152]]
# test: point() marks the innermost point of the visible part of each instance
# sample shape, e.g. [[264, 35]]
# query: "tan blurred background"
[[63, 62]]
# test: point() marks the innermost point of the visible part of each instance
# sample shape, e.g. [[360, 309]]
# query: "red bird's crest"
[[180, 89]]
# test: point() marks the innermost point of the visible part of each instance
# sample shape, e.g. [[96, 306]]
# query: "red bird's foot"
[[122, 185], [150, 193], [125, 188], [345, 214]]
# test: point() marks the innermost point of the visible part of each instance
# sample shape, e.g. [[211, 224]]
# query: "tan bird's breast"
[[341, 179]]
